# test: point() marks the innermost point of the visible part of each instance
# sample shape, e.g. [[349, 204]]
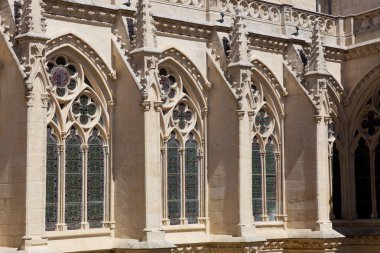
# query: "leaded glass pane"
[[363, 181], [191, 181], [95, 181], [73, 182], [174, 181], [377, 172], [270, 169], [51, 182], [256, 181]]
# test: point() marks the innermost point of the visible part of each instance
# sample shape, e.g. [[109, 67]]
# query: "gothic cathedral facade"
[[190, 126]]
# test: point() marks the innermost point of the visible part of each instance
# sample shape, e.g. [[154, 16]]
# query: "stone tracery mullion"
[[81, 109]]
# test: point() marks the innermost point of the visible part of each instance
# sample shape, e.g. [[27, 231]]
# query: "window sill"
[[184, 228], [69, 234], [269, 224]]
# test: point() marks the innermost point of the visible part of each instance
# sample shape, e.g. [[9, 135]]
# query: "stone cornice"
[[182, 28], [106, 14]]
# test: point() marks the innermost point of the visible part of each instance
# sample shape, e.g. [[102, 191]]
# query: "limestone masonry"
[[190, 126]]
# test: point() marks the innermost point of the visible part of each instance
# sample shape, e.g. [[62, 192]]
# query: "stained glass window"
[[95, 181], [73, 182], [51, 181], [270, 169], [174, 181], [336, 194], [256, 181], [377, 172], [191, 181], [363, 181]]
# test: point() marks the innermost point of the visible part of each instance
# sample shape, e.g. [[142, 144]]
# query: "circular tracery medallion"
[[60, 76]]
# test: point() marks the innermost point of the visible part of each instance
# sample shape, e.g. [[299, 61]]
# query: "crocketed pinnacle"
[[145, 26], [238, 38], [31, 19], [317, 61]]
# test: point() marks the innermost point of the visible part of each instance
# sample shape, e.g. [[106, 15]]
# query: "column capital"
[[146, 105], [240, 114]]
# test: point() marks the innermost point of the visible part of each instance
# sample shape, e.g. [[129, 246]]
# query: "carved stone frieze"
[[183, 28], [312, 244], [80, 11], [191, 3], [368, 21]]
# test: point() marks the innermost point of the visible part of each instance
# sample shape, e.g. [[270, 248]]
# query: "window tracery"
[[182, 131], [266, 166], [77, 158], [366, 159]]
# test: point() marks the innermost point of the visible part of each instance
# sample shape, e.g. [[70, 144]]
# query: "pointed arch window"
[[266, 168], [182, 166], [77, 151], [366, 159]]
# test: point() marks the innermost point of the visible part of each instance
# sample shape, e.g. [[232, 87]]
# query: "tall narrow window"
[[95, 181], [264, 169], [192, 181], [377, 173], [367, 161], [363, 181], [257, 196], [270, 180], [174, 181], [73, 182], [77, 175], [182, 127], [51, 181], [336, 191]]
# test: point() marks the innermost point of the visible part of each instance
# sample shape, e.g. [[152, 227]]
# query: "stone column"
[[322, 172], [153, 179], [245, 175]]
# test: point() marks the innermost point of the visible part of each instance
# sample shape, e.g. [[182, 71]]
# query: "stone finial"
[[145, 26], [31, 19], [317, 61], [238, 38]]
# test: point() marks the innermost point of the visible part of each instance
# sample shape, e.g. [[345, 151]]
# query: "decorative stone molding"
[[187, 64], [188, 3], [254, 9], [367, 22], [271, 44], [85, 48], [268, 74], [362, 240], [275, 13], [80, 11], [312, 244], [191, 30]]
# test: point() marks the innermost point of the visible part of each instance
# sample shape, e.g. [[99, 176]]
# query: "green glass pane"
[[191, 181], [173, 181], [256, 182], [73, 182], [51, 182], [95, 182]]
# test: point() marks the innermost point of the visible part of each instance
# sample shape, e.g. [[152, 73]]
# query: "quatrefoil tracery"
[[182, 116], [263, 122], [84, 110]]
